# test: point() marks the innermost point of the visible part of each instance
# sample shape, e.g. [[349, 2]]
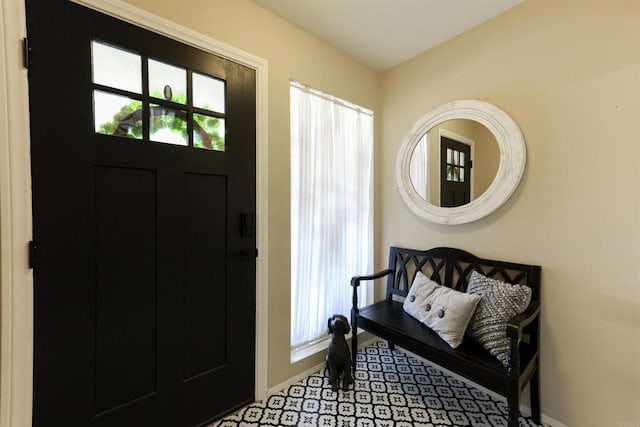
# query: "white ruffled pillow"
[[444, 310]]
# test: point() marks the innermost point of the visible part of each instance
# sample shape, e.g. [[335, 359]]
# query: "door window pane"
[[117, 115], [167, 82], [208, 132], [168, 125], [208, 93], [116, 67], [121, 102]]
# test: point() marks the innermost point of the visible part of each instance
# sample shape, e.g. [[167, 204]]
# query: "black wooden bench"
[[453, 267]]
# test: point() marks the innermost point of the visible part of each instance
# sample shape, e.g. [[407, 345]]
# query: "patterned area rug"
[[391, 389]]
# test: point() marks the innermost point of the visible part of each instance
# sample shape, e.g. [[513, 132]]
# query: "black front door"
[[143, 164], [455, 173]]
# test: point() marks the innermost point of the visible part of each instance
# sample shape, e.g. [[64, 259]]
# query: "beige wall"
[[568, 72], [292, 54]]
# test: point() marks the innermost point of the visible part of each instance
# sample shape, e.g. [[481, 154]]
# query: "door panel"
[[205, 307], [126, 286], [144, 313], [455, 173]]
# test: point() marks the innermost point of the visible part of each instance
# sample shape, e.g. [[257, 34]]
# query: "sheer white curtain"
[[419, 167], [331, 209]]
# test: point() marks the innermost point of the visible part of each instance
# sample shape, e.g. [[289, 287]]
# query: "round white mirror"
[[460, 162]]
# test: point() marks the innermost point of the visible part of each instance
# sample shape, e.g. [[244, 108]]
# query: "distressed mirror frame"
[[510, 168]]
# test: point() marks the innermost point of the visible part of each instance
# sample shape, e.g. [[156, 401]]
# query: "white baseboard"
[[295, 379], [547, 420]]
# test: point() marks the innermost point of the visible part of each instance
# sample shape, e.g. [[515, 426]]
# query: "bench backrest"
[[452, 267]]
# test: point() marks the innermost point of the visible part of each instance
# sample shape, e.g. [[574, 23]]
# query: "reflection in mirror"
[[458, 180]]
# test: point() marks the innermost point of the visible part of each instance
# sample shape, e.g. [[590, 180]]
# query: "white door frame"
[[16, 279]]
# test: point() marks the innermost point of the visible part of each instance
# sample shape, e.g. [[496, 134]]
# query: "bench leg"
[[513, 403], [354, 348], [391, 345], [534, 391]]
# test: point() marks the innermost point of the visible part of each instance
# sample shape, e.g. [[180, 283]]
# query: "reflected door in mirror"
[[455, 182], [428, 171]]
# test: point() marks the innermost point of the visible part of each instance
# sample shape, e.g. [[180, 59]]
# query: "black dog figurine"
[[338, 355]]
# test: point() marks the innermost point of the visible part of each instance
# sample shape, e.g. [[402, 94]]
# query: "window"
[[157, 102], [455, 165], [331, 210]]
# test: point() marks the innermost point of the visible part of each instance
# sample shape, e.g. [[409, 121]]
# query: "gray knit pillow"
[[500, 301]]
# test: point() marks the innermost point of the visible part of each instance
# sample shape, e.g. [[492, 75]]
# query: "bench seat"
[[452, 268], [388, 319]]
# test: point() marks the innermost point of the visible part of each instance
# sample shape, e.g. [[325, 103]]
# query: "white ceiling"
[[384, 33]]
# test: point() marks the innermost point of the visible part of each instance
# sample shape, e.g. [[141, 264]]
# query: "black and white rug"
[[392, 389]]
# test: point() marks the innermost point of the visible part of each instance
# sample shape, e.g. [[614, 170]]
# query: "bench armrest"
[[518, 322], [515, 325], [355, 280]]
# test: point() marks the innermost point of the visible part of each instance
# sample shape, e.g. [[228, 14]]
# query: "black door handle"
[[245, 254]]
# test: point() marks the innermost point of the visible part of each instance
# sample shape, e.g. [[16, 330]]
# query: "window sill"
[[311, 349]]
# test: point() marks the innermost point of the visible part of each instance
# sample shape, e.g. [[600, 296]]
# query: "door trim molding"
[[16, 279]]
